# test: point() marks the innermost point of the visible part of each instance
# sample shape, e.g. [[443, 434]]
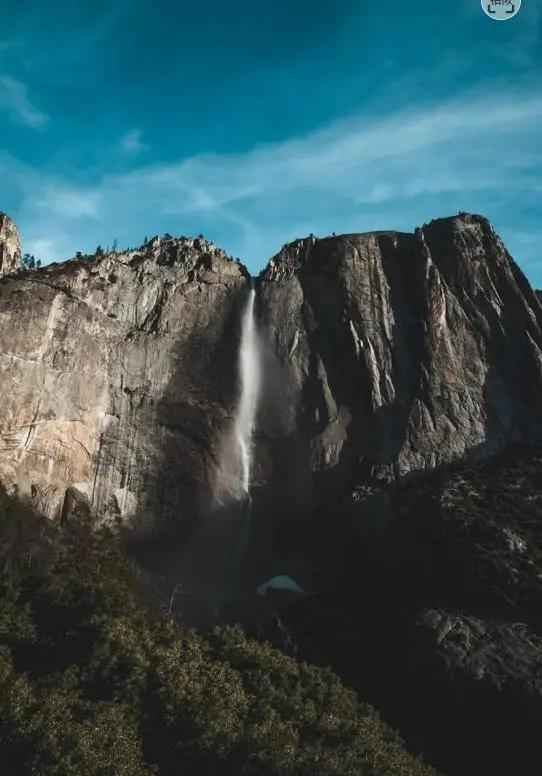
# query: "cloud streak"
[[477, 153], [15, 101]]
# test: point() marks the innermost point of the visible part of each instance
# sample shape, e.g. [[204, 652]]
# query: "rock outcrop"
[[108, 378], [10, 246], [397, 353]]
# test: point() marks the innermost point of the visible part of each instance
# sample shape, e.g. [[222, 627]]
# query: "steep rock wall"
[[108, 378], [397, 353]]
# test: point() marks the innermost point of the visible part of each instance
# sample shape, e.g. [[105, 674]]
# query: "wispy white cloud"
[[416, 151], [132, 142], [479, 153], [68, 202], [14, 100]]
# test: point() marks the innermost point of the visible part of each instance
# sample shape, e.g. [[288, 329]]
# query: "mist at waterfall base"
[[230, 566]]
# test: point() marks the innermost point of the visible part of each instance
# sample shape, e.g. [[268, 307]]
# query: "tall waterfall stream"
[[250, 379], [213, 566]]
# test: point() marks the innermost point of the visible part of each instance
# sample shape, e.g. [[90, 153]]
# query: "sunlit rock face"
[[116, 378], [10, 246], [381, 355], [397, 353]]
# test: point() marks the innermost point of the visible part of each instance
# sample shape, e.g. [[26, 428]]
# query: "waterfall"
[[250, 377]]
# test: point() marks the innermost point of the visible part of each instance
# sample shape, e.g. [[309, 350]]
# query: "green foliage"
[[93, 683], [52, 730], [30, 262], [90, 257]]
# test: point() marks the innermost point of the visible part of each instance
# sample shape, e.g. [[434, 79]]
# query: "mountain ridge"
[[386, 352]]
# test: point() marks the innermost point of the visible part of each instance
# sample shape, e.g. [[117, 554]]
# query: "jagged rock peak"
[[10, 246], [291, 257], [184, 254], [184, 250]]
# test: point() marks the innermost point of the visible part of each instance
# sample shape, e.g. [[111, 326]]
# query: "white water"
[[250, 375]]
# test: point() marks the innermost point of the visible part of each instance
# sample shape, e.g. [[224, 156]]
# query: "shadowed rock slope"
[[399, 352], [438, 621]]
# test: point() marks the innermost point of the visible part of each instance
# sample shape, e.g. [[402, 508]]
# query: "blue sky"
[[256, 123]]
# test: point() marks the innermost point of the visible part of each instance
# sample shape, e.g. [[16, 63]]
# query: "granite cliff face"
[[108, 378], [385, 354], [10, 246], [397, 353]]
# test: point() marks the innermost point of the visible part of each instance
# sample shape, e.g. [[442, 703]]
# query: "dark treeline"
[[93, 682]]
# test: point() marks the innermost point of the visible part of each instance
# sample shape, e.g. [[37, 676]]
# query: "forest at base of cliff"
[[94, 682]]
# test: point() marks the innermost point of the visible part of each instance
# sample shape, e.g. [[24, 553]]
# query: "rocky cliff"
[[10, 246], [397, 353], [108, 378], [385, 354]]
